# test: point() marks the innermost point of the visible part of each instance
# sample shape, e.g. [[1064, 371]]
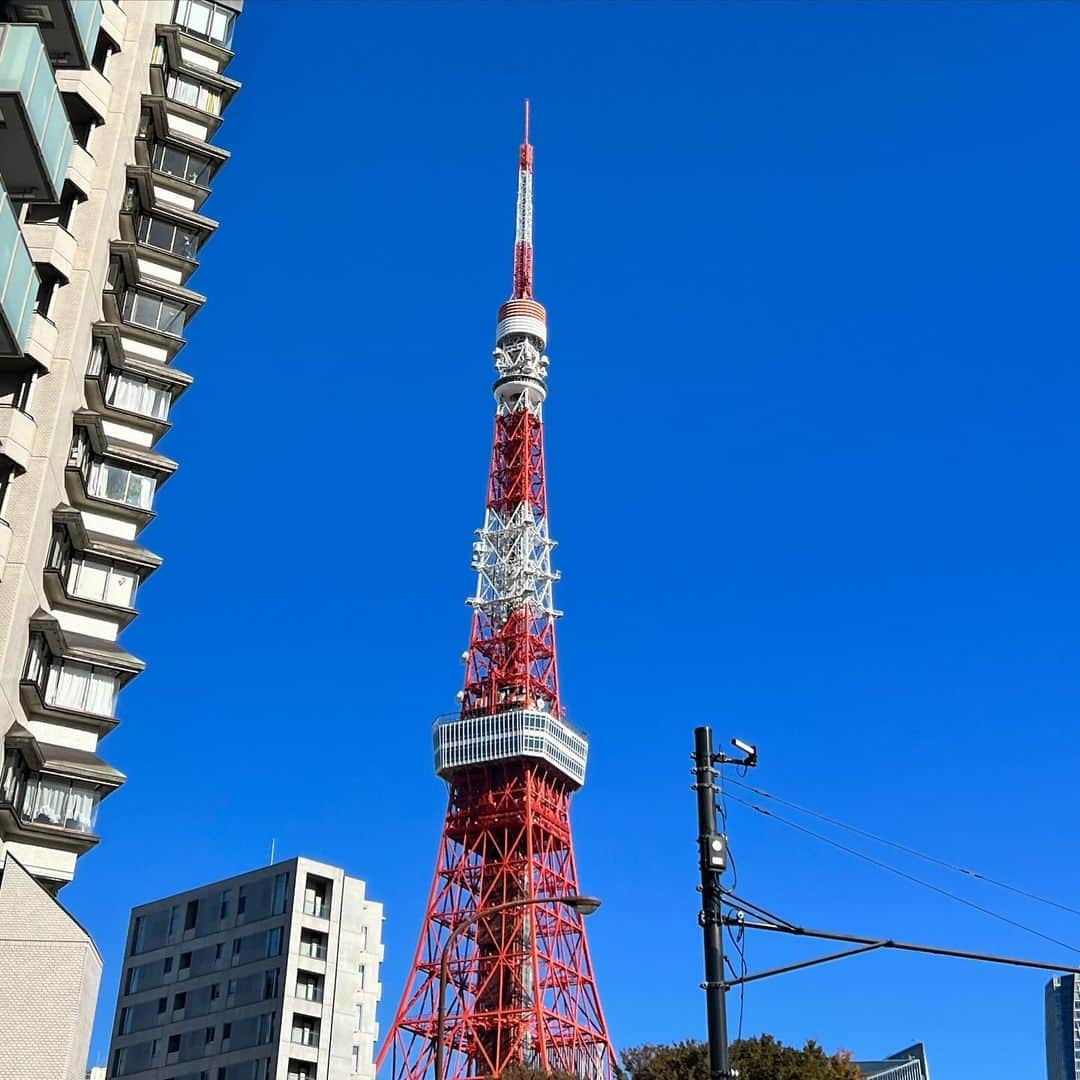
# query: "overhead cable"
[[900, 873], [974, 874]]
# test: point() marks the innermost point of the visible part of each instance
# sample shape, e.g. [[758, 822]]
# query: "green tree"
[[763, 1058]]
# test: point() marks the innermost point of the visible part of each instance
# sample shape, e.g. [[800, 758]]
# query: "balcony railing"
[[36, 139], [18, 283], [319, 908], [312, 950]]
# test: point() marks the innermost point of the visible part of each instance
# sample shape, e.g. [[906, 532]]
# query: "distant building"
[[907, 1064], [1063, 1028], [271, 975], [49, 973]]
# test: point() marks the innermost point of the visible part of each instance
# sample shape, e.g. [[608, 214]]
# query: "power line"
[[901, 873], [974, 874]]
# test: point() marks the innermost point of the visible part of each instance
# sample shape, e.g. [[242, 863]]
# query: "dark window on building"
[[185, 961], [173, 1045], [191, 916], [173, 161], [168, 236]]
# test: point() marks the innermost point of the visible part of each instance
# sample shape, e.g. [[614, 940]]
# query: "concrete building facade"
[[49, 975], [108, 111], [271, 975], [106, 158], [1062, 1001]]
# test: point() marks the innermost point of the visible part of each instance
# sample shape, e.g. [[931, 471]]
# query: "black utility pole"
[[713, 849]]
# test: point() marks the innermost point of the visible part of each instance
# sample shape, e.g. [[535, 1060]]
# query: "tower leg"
[[521, 986]]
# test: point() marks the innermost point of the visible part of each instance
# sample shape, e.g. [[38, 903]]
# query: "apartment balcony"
[[18, 279], [50, 243], [69, 28], [50, 794], [36, 138], [183, 166], [81, 169], [113, 476], [74, 678], [114, 21], [91, 88], [17, 431], [41, 340], [92, 573], [138, 391]]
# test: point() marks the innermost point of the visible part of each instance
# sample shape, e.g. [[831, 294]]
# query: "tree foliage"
[[763, 1058]]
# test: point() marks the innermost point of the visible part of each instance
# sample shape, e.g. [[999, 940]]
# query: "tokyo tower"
[[519, 984]]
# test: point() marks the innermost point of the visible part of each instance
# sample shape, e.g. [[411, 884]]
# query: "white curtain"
[[69, 683], [101, 697], [52, 801], [81, 809], [127, 394]]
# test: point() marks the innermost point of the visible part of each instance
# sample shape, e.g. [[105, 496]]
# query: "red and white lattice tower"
[[521, 989]]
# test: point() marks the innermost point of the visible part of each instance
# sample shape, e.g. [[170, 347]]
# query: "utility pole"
[[747, 915], [712, 850]]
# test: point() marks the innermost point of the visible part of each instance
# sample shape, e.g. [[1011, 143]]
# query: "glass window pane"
[[120, 587], [196, 17], [172, 318], [140, 491], [71, 685], [89, 578], [160, 398], [101, 693], [116, 482]]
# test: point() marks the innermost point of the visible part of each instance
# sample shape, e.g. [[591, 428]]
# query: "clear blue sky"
[[812, 276]]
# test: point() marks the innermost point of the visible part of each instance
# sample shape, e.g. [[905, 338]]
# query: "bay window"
[[188, 91], [133, 393], [119, 484], [47, 800], [205, 19], [167, 236], [99, 579], [52, 800], [92, 577], [82, 687], [153, 311], [192, 168]]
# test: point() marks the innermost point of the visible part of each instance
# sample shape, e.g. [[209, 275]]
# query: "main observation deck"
[[518, 733]]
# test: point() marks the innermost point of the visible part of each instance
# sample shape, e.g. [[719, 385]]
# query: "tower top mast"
[[523, 233]]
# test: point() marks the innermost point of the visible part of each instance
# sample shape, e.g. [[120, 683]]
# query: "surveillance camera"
[[746, 748]]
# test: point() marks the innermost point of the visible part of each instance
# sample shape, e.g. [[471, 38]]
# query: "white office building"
[[271, 975]]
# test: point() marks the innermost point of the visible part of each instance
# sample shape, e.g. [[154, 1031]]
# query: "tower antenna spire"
[[523, 231]]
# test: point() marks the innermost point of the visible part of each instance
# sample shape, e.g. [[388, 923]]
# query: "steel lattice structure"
[[521, 987]]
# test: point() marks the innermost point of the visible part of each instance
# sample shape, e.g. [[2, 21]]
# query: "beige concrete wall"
[[49, 976]]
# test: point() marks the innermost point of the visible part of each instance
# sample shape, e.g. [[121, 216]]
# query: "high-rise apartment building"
[[1063, 1028], [271, 975], [108, 114]]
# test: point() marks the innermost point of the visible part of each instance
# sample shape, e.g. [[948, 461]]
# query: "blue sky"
[[811, 272]]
